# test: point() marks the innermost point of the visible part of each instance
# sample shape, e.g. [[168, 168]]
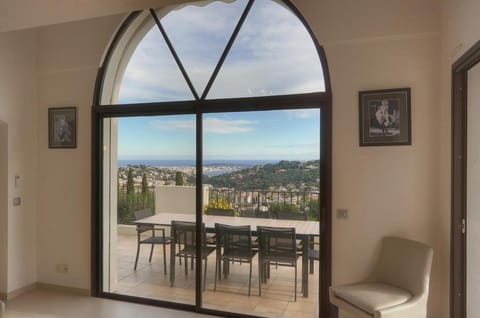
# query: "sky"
[[273, 54]]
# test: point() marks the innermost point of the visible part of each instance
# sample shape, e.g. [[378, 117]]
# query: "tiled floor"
[[43, 303], [277, 298]]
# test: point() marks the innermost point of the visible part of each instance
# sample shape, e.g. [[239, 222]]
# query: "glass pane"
[[152, 75], [273, 55], [264, 167], [149, 178], [200, 32]]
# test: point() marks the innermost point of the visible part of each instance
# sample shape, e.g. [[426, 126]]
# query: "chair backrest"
[[277, 243], [236, 240], [185, 233], [404, 263], [141, 214], [288, 215], [220, 212]]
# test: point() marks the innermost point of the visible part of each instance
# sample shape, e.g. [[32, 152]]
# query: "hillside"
[[282, 175]]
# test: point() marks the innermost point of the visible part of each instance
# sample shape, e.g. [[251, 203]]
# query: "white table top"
[[301, 227]]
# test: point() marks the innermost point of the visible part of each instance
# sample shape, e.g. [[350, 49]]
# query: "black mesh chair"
[[211, 240], [184, 234], [276, 245], [237, 246], [151, 239]]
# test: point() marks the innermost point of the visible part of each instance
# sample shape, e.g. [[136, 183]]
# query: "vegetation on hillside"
[[284, 174]]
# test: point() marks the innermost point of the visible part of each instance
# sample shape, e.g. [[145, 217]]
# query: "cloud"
[[303, 113], [273, 54], [211, 125], [228, 126]]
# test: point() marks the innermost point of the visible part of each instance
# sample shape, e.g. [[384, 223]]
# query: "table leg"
[[172, 263], [305, 266]]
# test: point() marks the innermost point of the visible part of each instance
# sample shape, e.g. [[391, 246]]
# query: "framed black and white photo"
[[62, 127], [385, 117]]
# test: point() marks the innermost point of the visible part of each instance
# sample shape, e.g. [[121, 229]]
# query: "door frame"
[[458, 244]]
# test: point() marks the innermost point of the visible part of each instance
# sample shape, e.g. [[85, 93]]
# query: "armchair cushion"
[[372, 297]]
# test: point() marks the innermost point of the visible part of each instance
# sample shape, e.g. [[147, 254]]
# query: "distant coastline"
[[191, 163]]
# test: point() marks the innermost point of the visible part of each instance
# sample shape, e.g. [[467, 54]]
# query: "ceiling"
[[22, 14]]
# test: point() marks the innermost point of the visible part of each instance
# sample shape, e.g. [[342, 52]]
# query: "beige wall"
[[17, 110], [370, 44], [68, 60], [3, 207], [388, 190], [460, 31]]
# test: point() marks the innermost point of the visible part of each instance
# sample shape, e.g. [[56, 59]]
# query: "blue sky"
[[273, 54], [269, 135]]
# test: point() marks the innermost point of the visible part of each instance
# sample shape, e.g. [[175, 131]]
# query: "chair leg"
[[216, 271], [295, 282], [205, 273], [164, 259], [260, 277], [249, 278], [136, 258], [151, 253]]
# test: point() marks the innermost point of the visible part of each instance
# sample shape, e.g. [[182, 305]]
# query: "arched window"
[[236, 89]]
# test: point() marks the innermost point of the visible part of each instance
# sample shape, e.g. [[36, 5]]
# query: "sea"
[[217, 167]]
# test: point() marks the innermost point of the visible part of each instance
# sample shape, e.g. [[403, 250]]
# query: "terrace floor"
[[277, 298]]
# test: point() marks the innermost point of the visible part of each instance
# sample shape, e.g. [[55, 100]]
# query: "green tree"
[[130, 184], [144, 183], [179, 178]]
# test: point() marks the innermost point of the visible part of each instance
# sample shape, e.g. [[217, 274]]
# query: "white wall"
[[68, 59], [370, 44], [460, 31], [388, 190], [17, 110], [3, 207]]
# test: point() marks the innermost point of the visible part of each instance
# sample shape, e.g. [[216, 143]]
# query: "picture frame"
[[385, 117], [62, 127]]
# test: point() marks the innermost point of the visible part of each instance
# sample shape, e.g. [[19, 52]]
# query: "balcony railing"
[[254, 203], [268, 203]]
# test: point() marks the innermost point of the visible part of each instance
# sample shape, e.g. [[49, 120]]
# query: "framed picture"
[[62, 127], [385, 117]]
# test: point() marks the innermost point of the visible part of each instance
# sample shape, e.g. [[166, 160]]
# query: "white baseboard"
[[28, 288]]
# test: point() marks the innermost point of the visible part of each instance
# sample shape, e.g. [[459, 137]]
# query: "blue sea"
[[191, 163]]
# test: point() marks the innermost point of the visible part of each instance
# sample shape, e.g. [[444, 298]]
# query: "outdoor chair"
[[313, 254], [151, 239], [276, 245], [237, 246], [211, 240], [397, 287], [184, 234]]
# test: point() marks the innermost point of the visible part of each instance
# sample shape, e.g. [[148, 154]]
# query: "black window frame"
[[198, 107]]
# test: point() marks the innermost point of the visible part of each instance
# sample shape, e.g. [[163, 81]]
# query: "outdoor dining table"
[[304, 231]]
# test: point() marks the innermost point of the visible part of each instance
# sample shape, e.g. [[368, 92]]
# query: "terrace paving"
[[277, 298]]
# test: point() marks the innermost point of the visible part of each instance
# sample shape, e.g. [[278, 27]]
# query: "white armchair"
[[2, 308], [398, 286]]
